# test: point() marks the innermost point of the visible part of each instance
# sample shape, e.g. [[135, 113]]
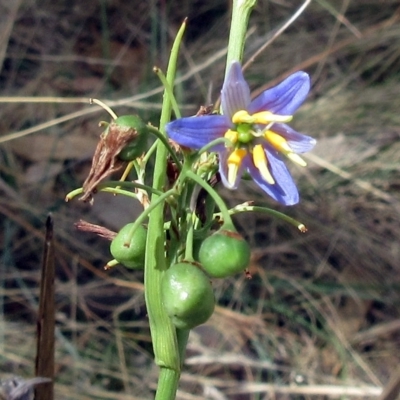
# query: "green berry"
[[187, 295], [224, 253], [137, 146], [131, 254]]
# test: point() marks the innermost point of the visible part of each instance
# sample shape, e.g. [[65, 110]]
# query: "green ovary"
[[245, 133]]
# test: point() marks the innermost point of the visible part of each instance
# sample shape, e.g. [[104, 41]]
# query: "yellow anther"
[[234, 162], [242, 117], [278, 141], [263, 117], [296, 158], [231, 135], [266, 117], [236, 157], [282, 145], [261, 163]]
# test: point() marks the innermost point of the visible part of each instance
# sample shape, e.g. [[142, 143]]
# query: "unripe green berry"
[[187, 295], [224, 253], [137, 146], [130, 253]]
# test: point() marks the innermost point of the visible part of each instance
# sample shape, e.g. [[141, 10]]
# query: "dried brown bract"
[[105, 160], [85, 226], [205, 110]]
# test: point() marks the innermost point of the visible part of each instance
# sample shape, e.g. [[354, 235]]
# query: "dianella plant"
[[185, 237]]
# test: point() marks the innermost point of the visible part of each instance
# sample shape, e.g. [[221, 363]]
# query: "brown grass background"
[[320, 319]]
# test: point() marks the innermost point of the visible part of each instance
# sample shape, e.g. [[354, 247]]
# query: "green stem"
[[149, 153], [169, 90], [164, 141], [163, 332], [208, 146], [182, 336], [168, 381], [215, 196], [73, 194], [125, 184], [112, 263], [189, 237], [241, 10], [78, 191], [108, 186], [265, 210], [142, 217], [300, 226], [119, 191]]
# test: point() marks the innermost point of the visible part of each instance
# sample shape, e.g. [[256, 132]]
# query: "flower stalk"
[[163, 332], [241, 10]]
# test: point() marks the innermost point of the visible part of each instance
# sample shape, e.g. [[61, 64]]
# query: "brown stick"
[[46, 319]]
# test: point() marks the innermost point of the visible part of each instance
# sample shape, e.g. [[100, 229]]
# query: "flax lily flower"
[[258, 132]]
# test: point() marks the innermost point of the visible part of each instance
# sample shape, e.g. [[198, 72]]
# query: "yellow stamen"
[[297, 159], [281, 144], [261, 163], [234, 162], [242, 117], [263, 117], [231, 135], [278, 141]]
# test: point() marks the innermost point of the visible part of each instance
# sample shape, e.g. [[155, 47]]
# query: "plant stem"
[[169, 90], [163, 333], [215, 196], [150, 209], [164, 140], [189, 237], [265, 210], [167, 384], [241, 10], [182, 336]]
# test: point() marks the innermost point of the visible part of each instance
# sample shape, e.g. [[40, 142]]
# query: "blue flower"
[[257, 130]]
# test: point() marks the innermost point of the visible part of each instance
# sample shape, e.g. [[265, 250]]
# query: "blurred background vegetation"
[[320, 319]]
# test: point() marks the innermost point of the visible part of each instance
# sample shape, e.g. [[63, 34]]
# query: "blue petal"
[[285, 98], [298, 142], [284, 189], [196, 132], [223, 170], [235, 93]]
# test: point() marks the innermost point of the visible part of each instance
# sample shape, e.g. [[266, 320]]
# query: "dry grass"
[[320, 318]]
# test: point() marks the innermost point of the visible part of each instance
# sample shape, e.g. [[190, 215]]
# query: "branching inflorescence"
[[197, 241]]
